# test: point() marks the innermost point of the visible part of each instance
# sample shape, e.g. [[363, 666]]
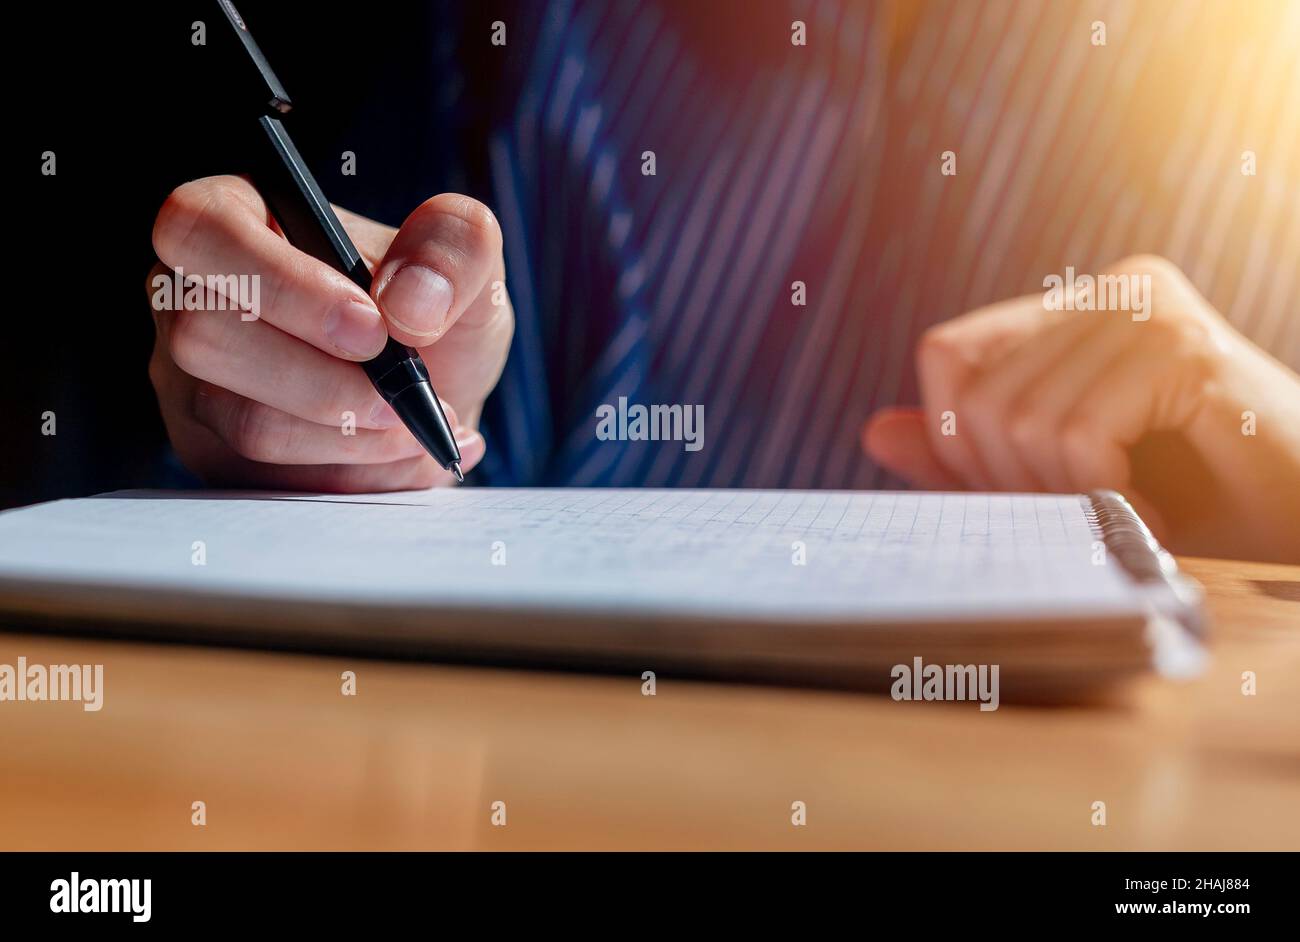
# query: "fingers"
[[1101, 426], [1014, 404], [405, 475], [263, 433], [258, 361], [232, 441], [1035, 422], [896, 439], [1104, 422], [439, 263], [217, 229], [1066, 400], [266, 400], [949, 356], [1008, 374]]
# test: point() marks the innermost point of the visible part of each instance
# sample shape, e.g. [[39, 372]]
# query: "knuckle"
[[1175, 332], [480, 220], [277, 291], [1190, 337], [180, 217], [187, 342], [334, 396], [980, 405], [1197, 351], [260, 433], [151, 281], [1162, 271], [157, 371], [475, 228], [936, 347], [476, 215], [1077, 436], [1022, 428]]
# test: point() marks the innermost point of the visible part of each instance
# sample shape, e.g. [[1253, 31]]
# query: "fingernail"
[[417, 299], [383, 416], [356, 329]]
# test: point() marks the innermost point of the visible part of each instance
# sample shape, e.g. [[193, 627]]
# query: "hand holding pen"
[[278, 400]]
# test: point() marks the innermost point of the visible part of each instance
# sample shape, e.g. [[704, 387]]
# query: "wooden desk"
[[416, 759]]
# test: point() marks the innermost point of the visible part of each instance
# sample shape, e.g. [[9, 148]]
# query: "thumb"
[[896, 439], [438, 264]]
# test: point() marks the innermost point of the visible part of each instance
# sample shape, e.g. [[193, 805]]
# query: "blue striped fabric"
[[820, 164]]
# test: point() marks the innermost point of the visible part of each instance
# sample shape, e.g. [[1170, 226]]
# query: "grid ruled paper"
[[744, 553]]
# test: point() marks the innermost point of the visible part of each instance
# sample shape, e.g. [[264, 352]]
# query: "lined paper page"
[[744, 553]]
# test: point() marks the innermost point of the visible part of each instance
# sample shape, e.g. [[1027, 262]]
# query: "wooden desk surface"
[[284, 761]]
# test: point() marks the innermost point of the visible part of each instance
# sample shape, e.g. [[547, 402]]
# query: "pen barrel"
[[295, 199], [310, 225]]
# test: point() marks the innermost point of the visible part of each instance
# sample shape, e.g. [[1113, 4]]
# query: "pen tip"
[[455, 469]]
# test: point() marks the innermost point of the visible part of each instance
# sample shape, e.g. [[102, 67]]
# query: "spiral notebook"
[[1062, 591]]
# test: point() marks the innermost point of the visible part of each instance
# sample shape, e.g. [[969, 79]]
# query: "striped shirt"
[[1081, 132]]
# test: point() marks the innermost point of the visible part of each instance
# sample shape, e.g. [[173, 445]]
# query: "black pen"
[[309, 223]]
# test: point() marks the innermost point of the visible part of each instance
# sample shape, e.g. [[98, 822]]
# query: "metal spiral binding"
[[1129, 540]]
